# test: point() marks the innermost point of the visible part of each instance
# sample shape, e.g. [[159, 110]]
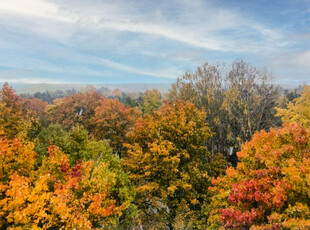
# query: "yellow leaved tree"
[[169, 163], [299, 110]]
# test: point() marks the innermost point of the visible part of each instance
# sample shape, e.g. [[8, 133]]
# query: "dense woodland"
[[224, 149]]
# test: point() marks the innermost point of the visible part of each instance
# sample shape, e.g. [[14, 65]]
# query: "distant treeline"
[[49, 96]]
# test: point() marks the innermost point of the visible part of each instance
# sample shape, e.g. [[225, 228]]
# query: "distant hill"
[[127, 88]]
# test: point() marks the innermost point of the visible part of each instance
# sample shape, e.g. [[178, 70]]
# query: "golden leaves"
[[50, 196], [297, 111], [166, 159]]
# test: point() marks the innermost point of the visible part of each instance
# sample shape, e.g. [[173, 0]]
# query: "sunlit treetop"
[[298, 110], [14, 116], [168, 161]]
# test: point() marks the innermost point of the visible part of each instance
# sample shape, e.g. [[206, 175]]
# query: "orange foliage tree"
[[103, 118], [270, 187], [14, 117], [112, 121], [36, 106], [75, 109], [36, 109]]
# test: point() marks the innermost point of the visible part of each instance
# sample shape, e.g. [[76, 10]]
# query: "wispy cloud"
[[22, 76], [145, 38], [202, 33]]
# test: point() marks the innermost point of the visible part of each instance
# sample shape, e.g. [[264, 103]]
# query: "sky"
[[145, 41]]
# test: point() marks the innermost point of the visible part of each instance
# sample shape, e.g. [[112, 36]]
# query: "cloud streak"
[[201, 35], [151, 39]]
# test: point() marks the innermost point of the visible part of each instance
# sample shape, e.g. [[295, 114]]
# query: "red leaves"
[[64, 167], [273, 173], [251, 191], [9, 97], [266, 192], [77, 170], [235, 218]]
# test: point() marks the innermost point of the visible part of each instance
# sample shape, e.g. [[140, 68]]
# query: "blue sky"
[[127, 41]]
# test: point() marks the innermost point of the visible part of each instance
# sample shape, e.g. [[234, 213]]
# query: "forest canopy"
[[222, 150]]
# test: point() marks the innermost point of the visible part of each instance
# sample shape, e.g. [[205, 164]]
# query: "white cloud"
[[196, 25], [34, 8], [302, 59]]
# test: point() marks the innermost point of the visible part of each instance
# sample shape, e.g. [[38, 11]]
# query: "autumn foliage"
[[270, 187], [90, 160], [84, 187], [75, 109], [168, 163], [112, 120], [14, 117], [56, 194], [297, 111]]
